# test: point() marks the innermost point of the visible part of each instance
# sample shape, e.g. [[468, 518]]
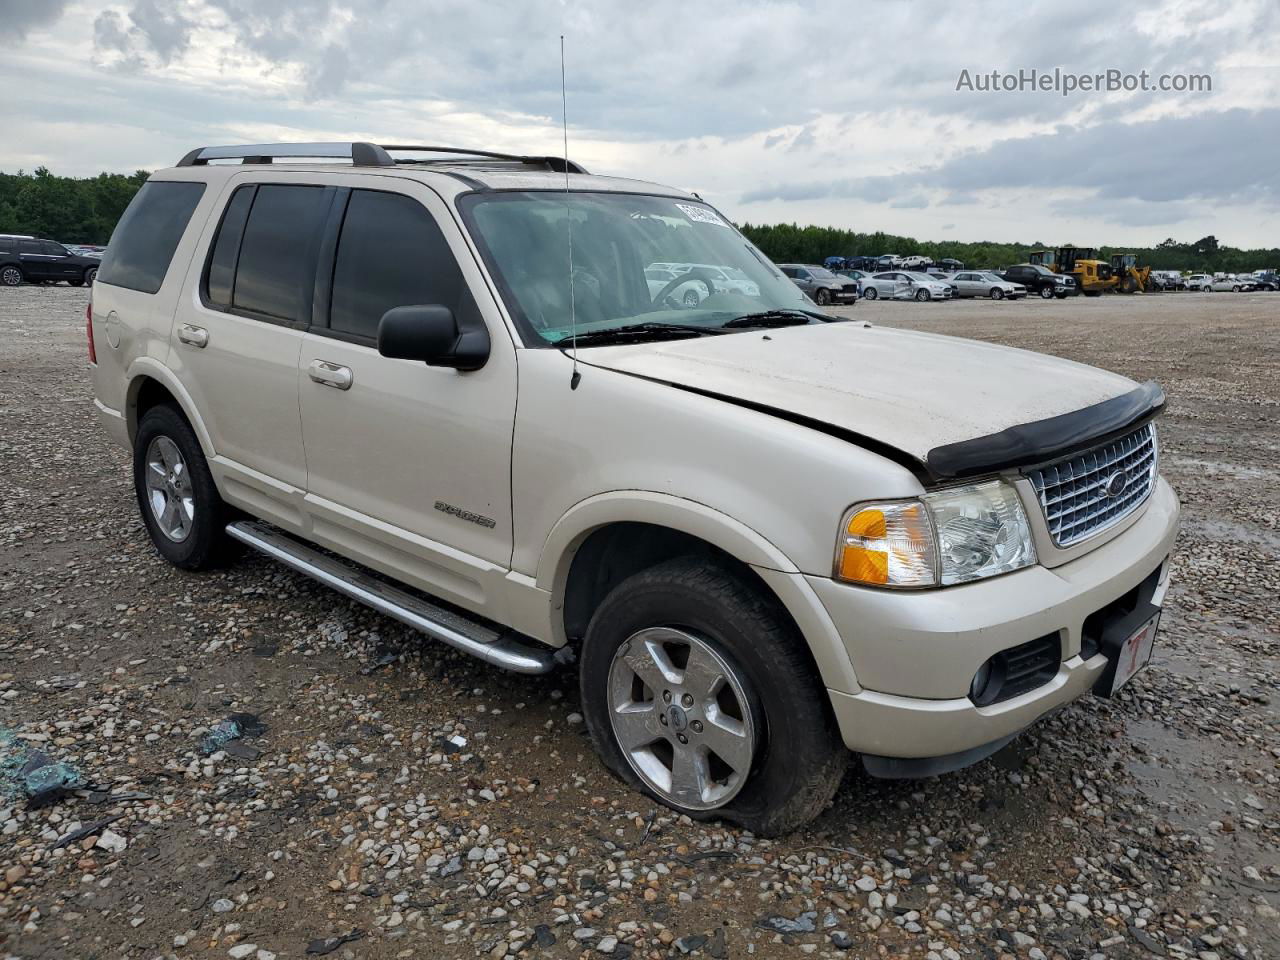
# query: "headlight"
[[951, 536]]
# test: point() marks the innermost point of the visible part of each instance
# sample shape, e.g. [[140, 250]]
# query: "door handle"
[[330, 374], [196, 336]]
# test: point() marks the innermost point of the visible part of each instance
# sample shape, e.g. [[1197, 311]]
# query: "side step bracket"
[[500, 648]]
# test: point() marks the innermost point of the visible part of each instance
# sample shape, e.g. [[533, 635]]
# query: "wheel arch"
[[606, 539], [151, 383]]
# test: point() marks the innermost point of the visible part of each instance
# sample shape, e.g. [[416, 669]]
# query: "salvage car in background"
[[980, 283], [904, 285], [1041, 280], [822, 286], [43, 261]]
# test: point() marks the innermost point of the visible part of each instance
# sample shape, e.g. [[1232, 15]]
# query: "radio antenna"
[[568, 221]]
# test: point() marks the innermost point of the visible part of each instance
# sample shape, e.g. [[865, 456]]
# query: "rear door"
[[34, 259], [409, 466], [239, 333]]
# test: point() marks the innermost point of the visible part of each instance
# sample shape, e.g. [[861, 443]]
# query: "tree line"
[[85, 210], [67, 209], [791, 243]]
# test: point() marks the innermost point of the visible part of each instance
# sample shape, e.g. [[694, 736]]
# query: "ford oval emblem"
[[1115, 484]]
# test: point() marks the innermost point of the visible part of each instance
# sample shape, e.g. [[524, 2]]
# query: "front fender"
[[722, 531]]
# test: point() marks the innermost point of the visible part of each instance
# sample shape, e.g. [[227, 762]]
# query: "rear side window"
[[276, 267], [226, 248], [142, 245], [391, 253]]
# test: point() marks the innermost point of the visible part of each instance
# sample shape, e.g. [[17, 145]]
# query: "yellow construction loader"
[[1130, 278]]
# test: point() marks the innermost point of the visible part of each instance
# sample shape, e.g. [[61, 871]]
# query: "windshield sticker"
[[700, 214]]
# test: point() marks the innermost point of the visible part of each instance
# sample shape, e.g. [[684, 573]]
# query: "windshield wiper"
[[632, 332], [773, 318]]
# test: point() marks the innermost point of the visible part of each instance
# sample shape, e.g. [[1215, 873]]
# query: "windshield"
[[636, 260], [919, 277], [822, 273], [992, 277]]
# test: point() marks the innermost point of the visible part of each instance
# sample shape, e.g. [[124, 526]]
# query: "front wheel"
[[822, 297], [90, 275], [1046, 293], [180, 505], [922, 295], [11, 276], [997, 293], [871, 293], [1235, 289], [697, 691]]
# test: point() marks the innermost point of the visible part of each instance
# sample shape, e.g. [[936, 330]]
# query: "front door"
[[36, 262], [409, 466]]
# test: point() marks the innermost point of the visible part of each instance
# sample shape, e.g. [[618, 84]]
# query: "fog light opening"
[[985, 687]]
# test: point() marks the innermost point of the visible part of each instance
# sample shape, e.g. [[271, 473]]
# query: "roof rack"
[[360, 154]]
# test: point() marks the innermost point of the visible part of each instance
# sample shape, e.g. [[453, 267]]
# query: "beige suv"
[[764, 536]]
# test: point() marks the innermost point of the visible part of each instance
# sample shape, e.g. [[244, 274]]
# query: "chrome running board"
[[501, 648]]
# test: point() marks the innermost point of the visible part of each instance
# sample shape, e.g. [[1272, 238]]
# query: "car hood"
[[902, 389]]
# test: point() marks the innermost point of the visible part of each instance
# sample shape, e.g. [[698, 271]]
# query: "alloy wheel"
[[681, 716], [169, 492]]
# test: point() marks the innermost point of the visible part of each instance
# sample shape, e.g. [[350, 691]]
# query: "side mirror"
[[431, 334]]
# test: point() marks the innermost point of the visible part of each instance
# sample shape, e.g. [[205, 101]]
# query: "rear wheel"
[[180, 505], [11, 276], [697, 691], [822, 297], [90, 275], [870, 293], [997, 293]]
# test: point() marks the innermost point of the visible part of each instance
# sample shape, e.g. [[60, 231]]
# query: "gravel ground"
[[423, 804]]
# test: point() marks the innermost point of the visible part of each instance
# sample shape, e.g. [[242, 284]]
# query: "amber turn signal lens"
[[887, 544]]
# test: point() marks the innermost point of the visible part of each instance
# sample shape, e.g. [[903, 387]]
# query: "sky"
[[839, 114]]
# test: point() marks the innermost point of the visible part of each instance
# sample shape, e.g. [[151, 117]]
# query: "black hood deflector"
[[1031, 444]]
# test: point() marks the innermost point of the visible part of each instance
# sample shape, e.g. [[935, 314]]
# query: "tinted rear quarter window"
[[391, 253], [276, 268], [143, 242], [226, 248]]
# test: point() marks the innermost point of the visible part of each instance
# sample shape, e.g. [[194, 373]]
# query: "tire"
[[1046, 293], [76, 283], [871, 293], [997, 293], [1235, 289], [923, 296], [11, 276], [798, 758], [822, 297], [196, 537], [691, 298], [90, 275]]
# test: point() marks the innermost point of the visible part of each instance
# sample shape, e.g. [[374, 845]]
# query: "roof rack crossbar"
[[557, 164], [361, 154]]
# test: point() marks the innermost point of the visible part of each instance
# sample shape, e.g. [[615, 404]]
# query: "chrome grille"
[[1077, 495]]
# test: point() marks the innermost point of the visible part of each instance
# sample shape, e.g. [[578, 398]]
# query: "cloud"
[[755, 103], [1146, 172], [20, 17]]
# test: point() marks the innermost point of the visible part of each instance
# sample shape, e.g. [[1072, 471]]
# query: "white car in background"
[[981, 283], [905, 285], [1231, 284], [916, 262], [1200, 281]]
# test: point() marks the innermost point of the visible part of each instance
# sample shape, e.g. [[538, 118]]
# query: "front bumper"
[[915, 653]]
